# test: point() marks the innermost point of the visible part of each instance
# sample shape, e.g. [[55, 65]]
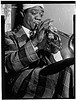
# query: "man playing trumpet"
[[25, 59]]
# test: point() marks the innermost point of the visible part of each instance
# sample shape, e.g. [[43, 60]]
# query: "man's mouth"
[[37, 22]]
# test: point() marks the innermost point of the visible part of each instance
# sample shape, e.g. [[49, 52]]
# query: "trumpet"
[[54, 39], [71, 43]]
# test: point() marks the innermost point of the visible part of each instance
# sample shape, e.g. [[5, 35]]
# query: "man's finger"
[[45, 25], [43, 22], [47, 21]]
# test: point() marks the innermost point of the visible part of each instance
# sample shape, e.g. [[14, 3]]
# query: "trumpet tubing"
[[56, 41]]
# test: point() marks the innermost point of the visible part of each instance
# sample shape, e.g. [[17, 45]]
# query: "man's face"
[[33, 17]]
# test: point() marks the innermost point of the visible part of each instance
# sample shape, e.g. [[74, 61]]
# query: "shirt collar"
[[27, 31]]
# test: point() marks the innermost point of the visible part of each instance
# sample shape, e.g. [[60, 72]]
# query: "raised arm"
[[18, 58]]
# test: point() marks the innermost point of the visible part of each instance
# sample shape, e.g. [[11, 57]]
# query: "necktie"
[[32, 34]]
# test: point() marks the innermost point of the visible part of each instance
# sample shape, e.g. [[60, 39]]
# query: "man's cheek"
[[33, 24]]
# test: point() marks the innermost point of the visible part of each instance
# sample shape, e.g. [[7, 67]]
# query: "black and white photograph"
[[38, 49]]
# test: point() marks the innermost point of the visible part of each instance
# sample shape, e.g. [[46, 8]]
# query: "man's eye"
[[34, 12], [41, 14]]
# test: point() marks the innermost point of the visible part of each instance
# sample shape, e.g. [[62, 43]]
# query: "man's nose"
[[38, 17]]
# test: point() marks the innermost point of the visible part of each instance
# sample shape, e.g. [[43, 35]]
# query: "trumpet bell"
[[71, 44]]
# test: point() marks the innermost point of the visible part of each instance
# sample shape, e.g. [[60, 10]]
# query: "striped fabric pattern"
[[31, 54], [35, 85], [30, 83], [21, 55]]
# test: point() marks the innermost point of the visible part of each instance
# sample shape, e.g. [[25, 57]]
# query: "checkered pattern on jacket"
[[29, 83]]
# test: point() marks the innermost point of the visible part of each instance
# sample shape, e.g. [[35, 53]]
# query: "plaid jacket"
[[26, 82]]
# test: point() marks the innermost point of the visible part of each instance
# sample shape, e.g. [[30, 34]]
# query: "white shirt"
[[27, 31]]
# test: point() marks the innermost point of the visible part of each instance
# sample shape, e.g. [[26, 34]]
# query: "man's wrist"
[[34, 45]]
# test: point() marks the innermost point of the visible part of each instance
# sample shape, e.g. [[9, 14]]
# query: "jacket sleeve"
[[17, 58]]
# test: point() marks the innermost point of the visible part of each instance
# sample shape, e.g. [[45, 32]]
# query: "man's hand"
[[41, 29]]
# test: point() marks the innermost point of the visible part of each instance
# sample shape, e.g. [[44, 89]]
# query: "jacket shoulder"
[[9, 33], [13, 32]]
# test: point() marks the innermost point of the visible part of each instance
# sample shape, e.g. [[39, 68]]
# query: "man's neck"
[[27, 26]]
